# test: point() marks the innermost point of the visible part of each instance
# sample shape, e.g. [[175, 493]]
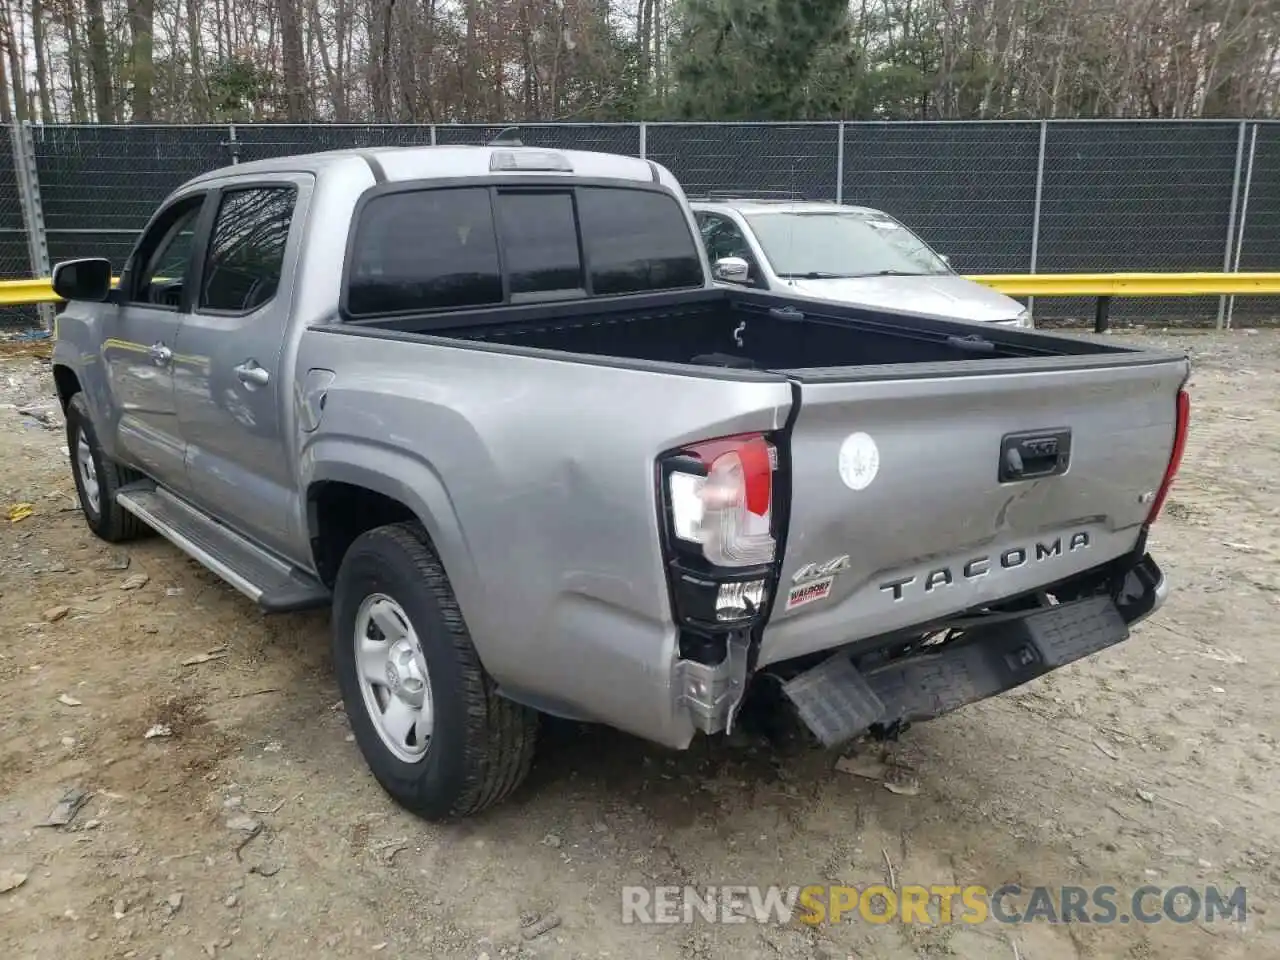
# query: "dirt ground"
[[249, 826]]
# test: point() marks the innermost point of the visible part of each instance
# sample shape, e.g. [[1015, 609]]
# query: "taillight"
[[725, 505], [1181, 424], [718, 506]]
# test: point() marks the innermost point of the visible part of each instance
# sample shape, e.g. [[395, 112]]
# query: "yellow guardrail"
[[15, 293], [1102, 286], [1130, 284]]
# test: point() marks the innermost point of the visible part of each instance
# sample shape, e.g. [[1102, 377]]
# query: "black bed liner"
[[739, 329]]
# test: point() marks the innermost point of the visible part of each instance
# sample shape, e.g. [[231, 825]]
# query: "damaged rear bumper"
[[839, 701]]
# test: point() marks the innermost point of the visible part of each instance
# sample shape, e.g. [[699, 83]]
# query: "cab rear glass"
[[458, 247]]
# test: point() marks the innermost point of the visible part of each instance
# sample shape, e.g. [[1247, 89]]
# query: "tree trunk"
[[295, 87], [79, 107], [100, 63], [17, 76], [199, 87], [42, 65], [141, 22], [6, 110]]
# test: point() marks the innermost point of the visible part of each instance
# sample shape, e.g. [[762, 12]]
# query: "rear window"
[[539, 243], [451, 248]]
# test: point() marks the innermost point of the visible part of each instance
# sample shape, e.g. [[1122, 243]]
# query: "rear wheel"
[[426, 716], [98, 478]]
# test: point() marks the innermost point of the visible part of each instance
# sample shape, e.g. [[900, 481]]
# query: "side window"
[[163, 257], [246, 248], [724, 239], [425, 250], [539, 244], [636, 241]]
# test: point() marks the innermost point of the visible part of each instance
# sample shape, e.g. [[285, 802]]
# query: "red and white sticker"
[[809, 592]]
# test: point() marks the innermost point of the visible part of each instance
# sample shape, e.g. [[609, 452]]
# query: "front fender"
[[76, 349]]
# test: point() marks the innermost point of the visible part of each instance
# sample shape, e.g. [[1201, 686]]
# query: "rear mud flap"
[[837, 702]]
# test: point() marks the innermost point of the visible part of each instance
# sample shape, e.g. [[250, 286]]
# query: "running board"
[[274, 584]]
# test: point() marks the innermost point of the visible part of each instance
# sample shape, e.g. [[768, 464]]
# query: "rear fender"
[[412, 482]]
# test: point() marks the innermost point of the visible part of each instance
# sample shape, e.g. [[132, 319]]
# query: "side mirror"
[[88, 279], [731, 270]]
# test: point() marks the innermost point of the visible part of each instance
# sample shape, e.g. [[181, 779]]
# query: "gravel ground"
[[246, 825]]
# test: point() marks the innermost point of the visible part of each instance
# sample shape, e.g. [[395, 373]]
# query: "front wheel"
[[426, 716], [98, 478]]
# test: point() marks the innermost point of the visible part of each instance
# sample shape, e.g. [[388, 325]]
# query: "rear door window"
[[246, 249]]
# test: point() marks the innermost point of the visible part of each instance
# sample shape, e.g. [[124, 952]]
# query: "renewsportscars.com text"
[[930, 905]]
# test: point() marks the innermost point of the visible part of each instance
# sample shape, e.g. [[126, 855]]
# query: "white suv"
[[853, 255]]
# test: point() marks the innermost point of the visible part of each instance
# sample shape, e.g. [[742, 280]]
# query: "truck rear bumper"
[[838, 700], [843, 696]]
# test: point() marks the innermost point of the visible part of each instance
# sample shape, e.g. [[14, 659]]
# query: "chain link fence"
[[996, 197], [15, 258]]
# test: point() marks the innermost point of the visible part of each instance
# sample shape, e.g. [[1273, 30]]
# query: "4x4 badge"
[[816, 571]]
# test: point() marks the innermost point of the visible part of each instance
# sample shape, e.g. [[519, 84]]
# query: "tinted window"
[[246, 248], [636, 240], [539, 242], [425, 250]]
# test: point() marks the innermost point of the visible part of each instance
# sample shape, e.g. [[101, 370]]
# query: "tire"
[[106, 518], [481, 745]]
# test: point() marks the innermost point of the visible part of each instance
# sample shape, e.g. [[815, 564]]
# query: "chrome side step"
[[274, 584]]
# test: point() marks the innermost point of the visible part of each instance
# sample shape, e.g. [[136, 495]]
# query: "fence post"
[[1244, 211], [840, 163], [1035, 214], [232, 144], [1231, 220], [433, 134], [644, 140], [24, 168]]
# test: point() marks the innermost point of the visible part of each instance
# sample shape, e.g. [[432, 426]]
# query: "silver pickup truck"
[[487, 404]]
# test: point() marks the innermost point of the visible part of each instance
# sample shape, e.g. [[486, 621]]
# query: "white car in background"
[[848, 254]]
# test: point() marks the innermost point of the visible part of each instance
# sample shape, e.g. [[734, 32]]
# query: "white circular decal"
[[859, 461]]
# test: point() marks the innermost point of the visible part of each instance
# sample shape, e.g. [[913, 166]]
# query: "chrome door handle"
[[252, 375], [160, 353]]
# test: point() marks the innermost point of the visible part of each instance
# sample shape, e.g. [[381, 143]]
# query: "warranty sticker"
[[809, 592]]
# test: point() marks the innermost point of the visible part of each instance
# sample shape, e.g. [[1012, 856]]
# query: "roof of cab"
[[418, 163]]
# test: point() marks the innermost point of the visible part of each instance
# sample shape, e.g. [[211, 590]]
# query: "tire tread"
[[116, 524], [501, 735]]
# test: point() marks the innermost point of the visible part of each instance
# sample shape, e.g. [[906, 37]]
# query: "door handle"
[[160, 354], [252, 375]]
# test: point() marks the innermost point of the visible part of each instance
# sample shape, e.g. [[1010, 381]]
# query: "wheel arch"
[[67, 382], [367, 487]]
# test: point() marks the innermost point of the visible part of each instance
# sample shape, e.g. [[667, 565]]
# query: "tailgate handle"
[[785, 313], [1032, 454]]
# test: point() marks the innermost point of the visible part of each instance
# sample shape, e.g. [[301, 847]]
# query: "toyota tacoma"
[[487, 405]]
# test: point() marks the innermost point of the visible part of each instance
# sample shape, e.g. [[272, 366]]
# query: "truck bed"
[[744, 329], [936, 403]]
